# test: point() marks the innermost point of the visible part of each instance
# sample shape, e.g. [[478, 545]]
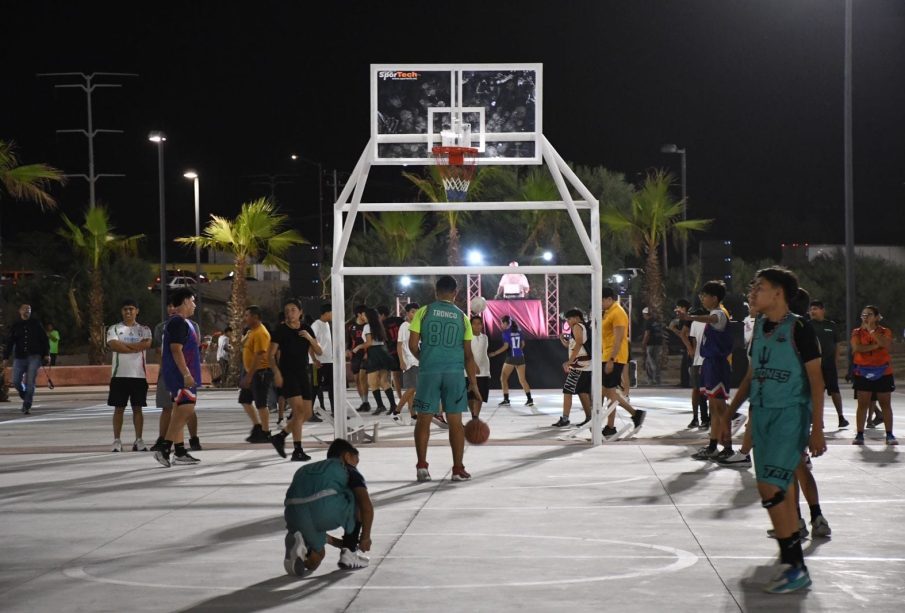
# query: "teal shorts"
[[446, 388], [315, 519], [780, 436]]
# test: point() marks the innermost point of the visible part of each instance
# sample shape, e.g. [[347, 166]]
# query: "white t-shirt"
[[364, 334], [128, 365], [479, 351], [403, 337], [697, 332], [324, 337], [223, 347]]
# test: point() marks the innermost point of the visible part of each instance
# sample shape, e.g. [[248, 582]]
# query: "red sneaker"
[[459, 474]]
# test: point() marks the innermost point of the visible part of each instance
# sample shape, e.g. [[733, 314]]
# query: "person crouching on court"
[[785, 385], [324, 496]]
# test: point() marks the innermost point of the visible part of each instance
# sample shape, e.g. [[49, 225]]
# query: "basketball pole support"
[[474, 289], [345, 212]]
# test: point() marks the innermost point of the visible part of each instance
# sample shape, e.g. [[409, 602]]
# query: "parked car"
[[173, 283]]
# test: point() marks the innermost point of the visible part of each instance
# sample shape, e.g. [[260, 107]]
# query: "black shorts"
[[394, 358], [483, 387], [577, 382], [128, 392], [830, 378], [358, 362], [297, 384], [614, 379], [883, 385], [260, 387], [516, 361]]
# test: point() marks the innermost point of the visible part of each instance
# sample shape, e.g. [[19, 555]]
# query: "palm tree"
[[95, 241], [257, 233], [538, 186], [400, 233], [27, 183], [654, 217], [431, 187]]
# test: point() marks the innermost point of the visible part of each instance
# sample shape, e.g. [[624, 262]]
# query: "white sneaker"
[[139, 445], [352, 560], [296, 552], [117, 445], [441, 421], [423, 475], [736, 459], [738, 422], [802, 529], [820, 527]]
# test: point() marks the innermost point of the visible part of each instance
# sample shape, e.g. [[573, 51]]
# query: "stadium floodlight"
[[618, 278], [548, 256], [475, 257], [405, 281]]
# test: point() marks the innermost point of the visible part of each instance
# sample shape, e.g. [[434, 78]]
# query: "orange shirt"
[[877, 357]]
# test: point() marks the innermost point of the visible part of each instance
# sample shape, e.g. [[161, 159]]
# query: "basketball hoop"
[[457, 167]]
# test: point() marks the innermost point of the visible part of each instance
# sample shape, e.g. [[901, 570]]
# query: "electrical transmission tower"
[[88, 86]]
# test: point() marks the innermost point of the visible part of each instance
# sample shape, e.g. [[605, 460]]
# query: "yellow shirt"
[[256, 341], [614, 317]]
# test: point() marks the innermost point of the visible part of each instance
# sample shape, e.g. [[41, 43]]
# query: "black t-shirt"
[[293, 347], [805, 339], [828, 334], [655, 332], [391, 325], [356, 479]]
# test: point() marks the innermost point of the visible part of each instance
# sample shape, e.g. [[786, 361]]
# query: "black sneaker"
[[258, 435], [504, 403], [379, 410], [843, 422], [705, 423], [609, 431], [562, 423], [279, 443], [299, 456], [694, 424], [529, 402], [195, 443], [638, 418], [158, 446], [26, 408], [364, 408], [725, 454], [186, 458], [586, 421], [315, 418]]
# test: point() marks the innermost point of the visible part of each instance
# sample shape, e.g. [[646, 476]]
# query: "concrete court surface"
[[544, 525]]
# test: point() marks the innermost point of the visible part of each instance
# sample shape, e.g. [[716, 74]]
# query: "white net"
[[455, 186]]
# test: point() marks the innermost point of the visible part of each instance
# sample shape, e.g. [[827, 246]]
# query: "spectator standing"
[[652, 346], [28, 346], [828, 334], [53, 338], [128, 341], [223, 349], [324, 362]]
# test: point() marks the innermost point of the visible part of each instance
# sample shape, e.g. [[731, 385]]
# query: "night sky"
[[753, 90]]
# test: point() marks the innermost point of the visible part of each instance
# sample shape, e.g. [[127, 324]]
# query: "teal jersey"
[[444, 328], [778, 375]]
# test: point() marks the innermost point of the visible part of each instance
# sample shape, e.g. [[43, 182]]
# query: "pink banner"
[[529, 314]]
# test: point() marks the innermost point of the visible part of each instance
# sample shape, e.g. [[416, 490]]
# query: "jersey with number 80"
[[444, 328]]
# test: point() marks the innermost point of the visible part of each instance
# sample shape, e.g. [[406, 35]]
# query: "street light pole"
[[320, 200], [191, 174], [675, 149], [850, 306], [159, 138]]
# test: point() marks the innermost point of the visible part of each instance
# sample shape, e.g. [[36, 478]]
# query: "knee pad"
[[777, 499]]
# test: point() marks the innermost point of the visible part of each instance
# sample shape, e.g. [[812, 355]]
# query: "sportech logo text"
[[398, 75]]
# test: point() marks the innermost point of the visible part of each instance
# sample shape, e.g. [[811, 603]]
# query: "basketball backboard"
[[411, 104]]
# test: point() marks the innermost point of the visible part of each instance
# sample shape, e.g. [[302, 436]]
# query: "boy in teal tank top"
[[440, 337], [785, 385]]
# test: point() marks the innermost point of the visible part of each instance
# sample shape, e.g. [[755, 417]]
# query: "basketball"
[[478, 305], [477, 432]]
